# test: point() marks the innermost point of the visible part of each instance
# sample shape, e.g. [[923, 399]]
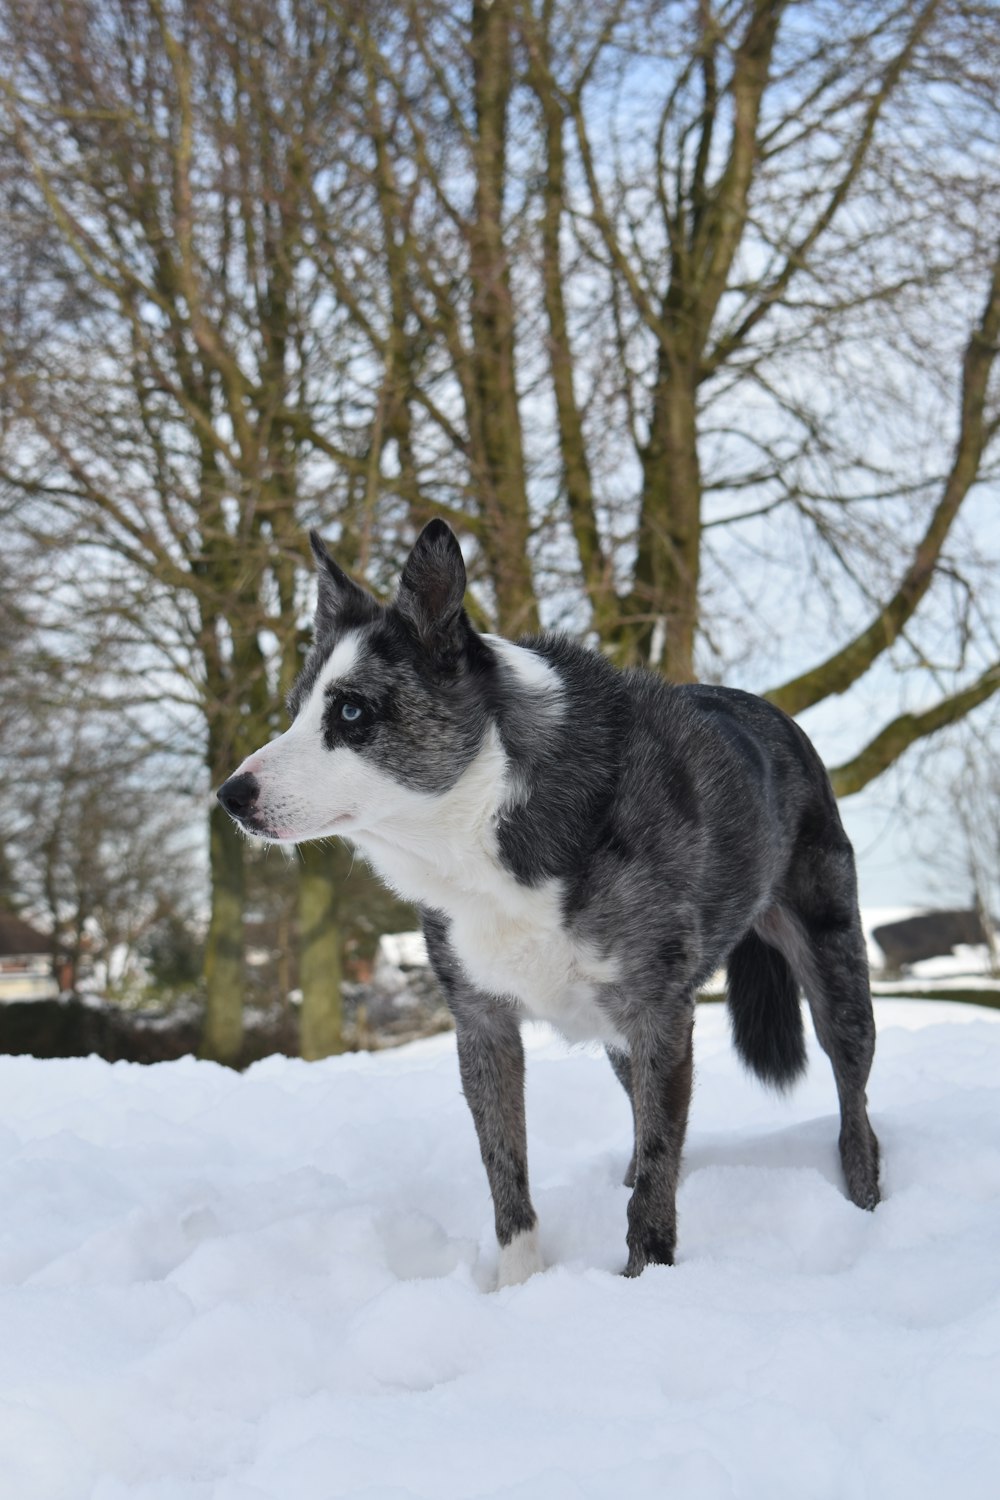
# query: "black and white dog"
[[587, 846]]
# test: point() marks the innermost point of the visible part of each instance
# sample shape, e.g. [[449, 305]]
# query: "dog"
[[586, 846]]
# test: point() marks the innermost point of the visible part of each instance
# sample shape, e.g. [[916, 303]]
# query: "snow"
[[966, 961], [277, 1286], [403, 950]]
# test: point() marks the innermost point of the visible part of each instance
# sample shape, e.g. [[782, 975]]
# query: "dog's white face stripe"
[[342, 660]]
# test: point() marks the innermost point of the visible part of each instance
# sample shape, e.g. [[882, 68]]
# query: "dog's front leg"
[[661, 1060], [491, 1060]]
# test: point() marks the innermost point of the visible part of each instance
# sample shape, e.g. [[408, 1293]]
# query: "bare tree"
[[93, 826], [160, 351], [717, 249]]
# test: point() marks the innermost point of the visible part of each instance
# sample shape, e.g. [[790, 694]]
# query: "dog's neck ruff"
[[535, 676], [437, 848], [443, 852]]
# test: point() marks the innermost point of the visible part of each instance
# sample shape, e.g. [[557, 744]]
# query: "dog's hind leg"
[[820, 933], [622, 1065], [841, 1005], [661, 1065]]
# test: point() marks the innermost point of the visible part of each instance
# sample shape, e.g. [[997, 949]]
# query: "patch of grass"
[[990, 997]]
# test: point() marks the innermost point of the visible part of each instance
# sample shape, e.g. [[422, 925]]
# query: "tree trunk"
[[498, 442], [595, 567], [223, 1034], [321, 1023], [663, 610]]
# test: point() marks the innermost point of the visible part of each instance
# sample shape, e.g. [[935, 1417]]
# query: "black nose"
[[239, 794]]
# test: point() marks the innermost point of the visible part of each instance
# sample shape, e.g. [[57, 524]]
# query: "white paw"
[[520, 1259]]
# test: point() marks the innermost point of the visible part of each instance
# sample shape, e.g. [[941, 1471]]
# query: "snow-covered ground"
[[276, 1286]]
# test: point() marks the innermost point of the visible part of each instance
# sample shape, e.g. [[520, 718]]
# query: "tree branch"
[[888, 745], [839, 671], [773, 292]]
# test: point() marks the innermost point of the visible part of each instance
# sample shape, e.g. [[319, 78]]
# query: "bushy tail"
[[766, 1012]]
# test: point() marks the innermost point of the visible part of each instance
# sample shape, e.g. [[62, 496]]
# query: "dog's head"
[[389, 704]]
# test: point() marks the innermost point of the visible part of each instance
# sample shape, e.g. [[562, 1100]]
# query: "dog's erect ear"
[[432, 588], [338, 594]]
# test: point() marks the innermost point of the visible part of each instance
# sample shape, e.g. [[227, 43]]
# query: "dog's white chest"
[[518, 947], [509, 938]]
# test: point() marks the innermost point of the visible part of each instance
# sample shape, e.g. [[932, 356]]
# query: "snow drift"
[[275, 1286]]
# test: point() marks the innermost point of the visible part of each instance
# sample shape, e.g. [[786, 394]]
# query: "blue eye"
[[351, 712]]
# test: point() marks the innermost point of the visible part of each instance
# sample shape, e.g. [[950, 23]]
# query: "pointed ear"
[[432, 588], [339, 596]]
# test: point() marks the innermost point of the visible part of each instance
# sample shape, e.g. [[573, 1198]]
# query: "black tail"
[[765, 1012]]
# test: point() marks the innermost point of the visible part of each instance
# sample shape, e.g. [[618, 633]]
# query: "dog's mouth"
[[330, 829], [256, 827], [241, 798], [258, 830]]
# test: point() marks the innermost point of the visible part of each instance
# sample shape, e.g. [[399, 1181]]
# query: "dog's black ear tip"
[[317, 544], [438, 535], [437, 530]]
